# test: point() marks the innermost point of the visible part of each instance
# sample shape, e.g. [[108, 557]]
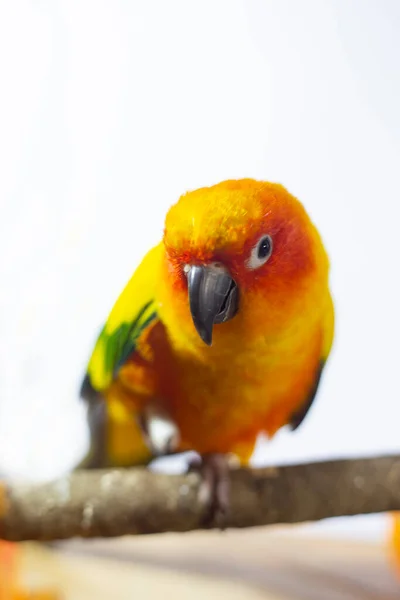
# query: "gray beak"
[[213, 298]]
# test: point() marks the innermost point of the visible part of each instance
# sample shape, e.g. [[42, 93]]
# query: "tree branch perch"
[[110, 503]]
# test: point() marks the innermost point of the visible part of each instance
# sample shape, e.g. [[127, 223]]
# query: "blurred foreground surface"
[[278, 563]]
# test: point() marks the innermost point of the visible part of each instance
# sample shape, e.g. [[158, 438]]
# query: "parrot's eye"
[[260, 253]]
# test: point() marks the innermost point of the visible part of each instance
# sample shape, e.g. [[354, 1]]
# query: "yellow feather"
[[139, 291]]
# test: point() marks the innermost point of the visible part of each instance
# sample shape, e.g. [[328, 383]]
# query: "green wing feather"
[[133, 312]]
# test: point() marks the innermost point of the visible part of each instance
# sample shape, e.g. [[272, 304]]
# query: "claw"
[[160, 432], [214, 489]]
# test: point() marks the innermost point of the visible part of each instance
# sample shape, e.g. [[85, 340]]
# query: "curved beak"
[[213, 298]]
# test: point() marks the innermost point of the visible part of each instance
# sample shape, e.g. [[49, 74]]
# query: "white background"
[[110, 110]]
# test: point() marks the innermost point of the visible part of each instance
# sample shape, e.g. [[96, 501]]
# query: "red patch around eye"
[[298, 259], [291, 259]]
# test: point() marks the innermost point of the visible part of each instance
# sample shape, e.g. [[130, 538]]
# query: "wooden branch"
[[138, 501]]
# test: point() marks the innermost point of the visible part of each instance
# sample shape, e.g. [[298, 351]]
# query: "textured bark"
[[108, 503]]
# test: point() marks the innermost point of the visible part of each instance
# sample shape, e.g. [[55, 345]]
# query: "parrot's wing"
[[115, 440], [133, 312], [328, 328], [301, 414]]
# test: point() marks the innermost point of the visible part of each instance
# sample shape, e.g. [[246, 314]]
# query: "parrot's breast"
[[221, 401]]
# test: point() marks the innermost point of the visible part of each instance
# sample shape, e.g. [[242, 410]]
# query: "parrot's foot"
[[161, 433], [214, 488]]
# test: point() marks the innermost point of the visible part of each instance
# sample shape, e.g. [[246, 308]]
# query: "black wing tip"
[[96, 456], [299, 416], [88, 392]]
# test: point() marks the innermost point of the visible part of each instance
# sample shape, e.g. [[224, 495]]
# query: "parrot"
[[221, 334]]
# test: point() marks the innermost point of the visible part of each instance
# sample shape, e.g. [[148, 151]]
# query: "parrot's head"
[[244, 253]]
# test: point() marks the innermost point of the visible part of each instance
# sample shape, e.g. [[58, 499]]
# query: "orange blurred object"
[[37, 595], [10, 587], [396, 541], [8, 569]]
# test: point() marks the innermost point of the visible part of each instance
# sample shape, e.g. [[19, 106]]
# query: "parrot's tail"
[[115, 437]]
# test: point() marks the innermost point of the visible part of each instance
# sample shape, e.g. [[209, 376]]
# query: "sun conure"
[[222, 332]]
